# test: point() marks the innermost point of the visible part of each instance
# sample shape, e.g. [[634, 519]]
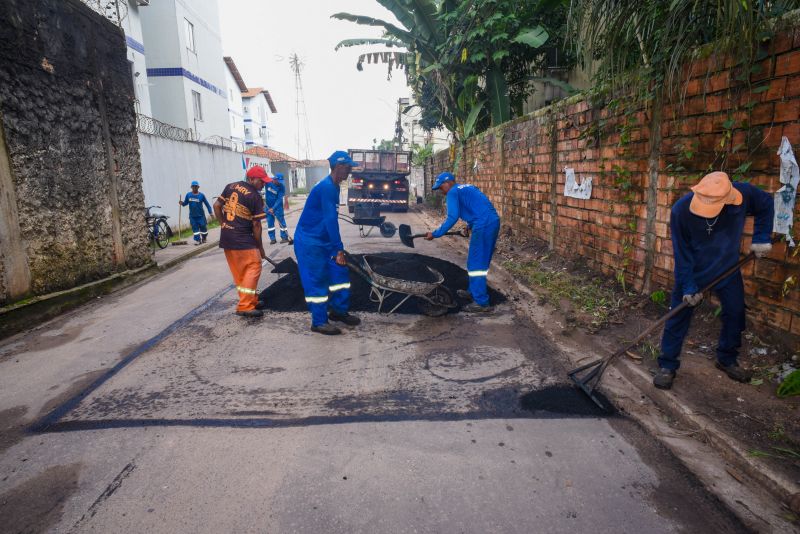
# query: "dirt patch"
[[43, 340], [286, 294], [12, 426], [36, 505]]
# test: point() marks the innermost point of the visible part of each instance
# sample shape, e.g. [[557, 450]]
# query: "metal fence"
[[113, 10], [152, 126]]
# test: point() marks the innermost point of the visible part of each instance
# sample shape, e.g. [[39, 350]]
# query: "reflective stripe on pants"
[[245, 266]]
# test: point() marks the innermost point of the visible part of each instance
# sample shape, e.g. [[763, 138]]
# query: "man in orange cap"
[[706, 227], [240, 210]]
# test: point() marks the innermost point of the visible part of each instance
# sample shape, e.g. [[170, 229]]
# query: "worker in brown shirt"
[[240, 210]]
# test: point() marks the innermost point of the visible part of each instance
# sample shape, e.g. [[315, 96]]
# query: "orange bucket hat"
[[713, 192]]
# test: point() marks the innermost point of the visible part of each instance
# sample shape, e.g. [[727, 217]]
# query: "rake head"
[[588, 376]]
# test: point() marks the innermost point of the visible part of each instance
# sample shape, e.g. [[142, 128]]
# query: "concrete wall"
[[168, 167], [174, 71], [316, 174], [70, 180], [641, 161], [294, 177]]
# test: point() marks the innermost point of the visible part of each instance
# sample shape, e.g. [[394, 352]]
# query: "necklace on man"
[[710, 227]]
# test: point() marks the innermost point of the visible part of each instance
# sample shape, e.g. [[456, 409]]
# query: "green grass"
[[187, 233], [299, 191], [590, 296]]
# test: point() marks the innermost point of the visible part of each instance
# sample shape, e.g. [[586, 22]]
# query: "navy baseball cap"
[[340, 157], [442, 178], [195, 183]]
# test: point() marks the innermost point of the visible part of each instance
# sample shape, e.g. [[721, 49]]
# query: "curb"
[[632, 393]]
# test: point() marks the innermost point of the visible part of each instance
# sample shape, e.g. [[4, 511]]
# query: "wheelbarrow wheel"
[[388, 229], [441, 300]]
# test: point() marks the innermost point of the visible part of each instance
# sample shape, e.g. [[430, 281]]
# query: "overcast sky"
[[346, 108]]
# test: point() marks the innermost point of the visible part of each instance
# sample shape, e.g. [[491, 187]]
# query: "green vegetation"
[[591, 296], [790, 385], [187, 233]]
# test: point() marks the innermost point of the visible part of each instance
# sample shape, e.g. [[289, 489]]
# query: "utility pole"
[[398, 126]]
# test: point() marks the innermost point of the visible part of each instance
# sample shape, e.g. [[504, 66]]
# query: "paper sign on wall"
[[786, 196], [577, 190]]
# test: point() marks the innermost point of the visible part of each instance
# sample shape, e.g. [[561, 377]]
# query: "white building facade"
[[132, 26], [185, 71], [235, 86], [257, 105]]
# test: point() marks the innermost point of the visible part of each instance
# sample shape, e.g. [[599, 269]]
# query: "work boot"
[[734, 372], [346, 318], [250, 313], [474, 307], [664, 378], [272, 241], [205, 239], [284, 240], [327, 329], [464, 294]]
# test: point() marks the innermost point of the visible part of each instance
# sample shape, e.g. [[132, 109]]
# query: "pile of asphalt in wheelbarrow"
[[286, 294]]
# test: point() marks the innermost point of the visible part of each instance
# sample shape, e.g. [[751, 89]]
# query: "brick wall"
[[623, 230]]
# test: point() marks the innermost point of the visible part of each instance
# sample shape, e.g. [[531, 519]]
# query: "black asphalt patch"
[[286, 294], [565, 400]]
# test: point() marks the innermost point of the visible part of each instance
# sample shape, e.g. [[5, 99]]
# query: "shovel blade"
[[405, 235]]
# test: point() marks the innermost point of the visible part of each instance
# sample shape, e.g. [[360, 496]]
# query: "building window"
[[190, 36], [198, 106], [247, 131], [231, 91]]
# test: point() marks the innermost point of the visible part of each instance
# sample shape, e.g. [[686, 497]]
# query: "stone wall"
[[642, 158], [72, 200]]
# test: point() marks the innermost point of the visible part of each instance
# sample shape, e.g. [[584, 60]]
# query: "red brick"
[[787, 64], [777, 89], [782, 42], [761, 114], [787, 111], [764, 70]]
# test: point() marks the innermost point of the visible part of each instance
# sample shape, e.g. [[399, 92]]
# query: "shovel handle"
[[680, 307], [448, 233]]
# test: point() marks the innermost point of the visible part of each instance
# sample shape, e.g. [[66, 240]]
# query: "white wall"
[[132, 27], [168, 167], [165, 40], [256, 118], [235, 110]]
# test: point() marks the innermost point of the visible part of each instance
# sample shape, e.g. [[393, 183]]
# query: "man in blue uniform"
[[320, 252], [706, 227], [273, 195], [195, 200], [467, 202]]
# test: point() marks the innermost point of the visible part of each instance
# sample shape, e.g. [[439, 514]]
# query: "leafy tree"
[[420, 153], [385, 144]]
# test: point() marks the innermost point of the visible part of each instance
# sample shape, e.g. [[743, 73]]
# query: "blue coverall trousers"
[[199, 228], [325, 284], [271, 223], [481, 249], [731, 297]]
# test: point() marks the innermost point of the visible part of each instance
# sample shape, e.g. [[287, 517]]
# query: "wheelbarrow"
[[434, 299], [369, 217]]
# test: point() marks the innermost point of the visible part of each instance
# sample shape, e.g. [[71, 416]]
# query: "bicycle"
[[158, 231]]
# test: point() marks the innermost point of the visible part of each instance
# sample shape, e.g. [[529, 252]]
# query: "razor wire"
[[149, 125], [113, 10]]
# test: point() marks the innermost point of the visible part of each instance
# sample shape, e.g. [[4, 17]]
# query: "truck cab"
[[381, 179]]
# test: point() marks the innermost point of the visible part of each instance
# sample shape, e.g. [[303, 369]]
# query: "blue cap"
[[442, 178], [279, 176], [340, 157], [195, 183]]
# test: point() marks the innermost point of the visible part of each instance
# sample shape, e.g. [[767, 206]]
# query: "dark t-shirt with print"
[[243, 205]]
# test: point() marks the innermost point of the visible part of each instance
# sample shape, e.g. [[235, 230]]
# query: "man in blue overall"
[[706, 227], [273, 195], [195, 200], [467, 202], [320, 252]]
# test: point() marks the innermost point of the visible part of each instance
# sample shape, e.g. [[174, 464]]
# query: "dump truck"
[[380, 182]]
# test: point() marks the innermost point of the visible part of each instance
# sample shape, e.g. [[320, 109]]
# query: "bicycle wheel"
[[161, 234]]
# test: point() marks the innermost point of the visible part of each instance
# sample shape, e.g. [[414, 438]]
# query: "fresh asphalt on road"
[[158, 410]]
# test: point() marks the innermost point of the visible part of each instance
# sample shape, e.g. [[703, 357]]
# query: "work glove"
[[760, 249], [693, 299]]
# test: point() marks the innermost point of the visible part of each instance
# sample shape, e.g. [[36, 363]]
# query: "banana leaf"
[[499, 103]]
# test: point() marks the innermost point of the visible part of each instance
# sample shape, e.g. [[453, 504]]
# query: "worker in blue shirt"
[[273, 196], [467, 202], [320, 252], [195, 200], [706, 227]]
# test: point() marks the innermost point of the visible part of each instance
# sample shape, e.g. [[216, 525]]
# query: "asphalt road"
[[158, 410]]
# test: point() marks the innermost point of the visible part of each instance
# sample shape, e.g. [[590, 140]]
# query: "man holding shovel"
[[706, 227], [195, 200], [240, 211], [320, 252], [467, 202]]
